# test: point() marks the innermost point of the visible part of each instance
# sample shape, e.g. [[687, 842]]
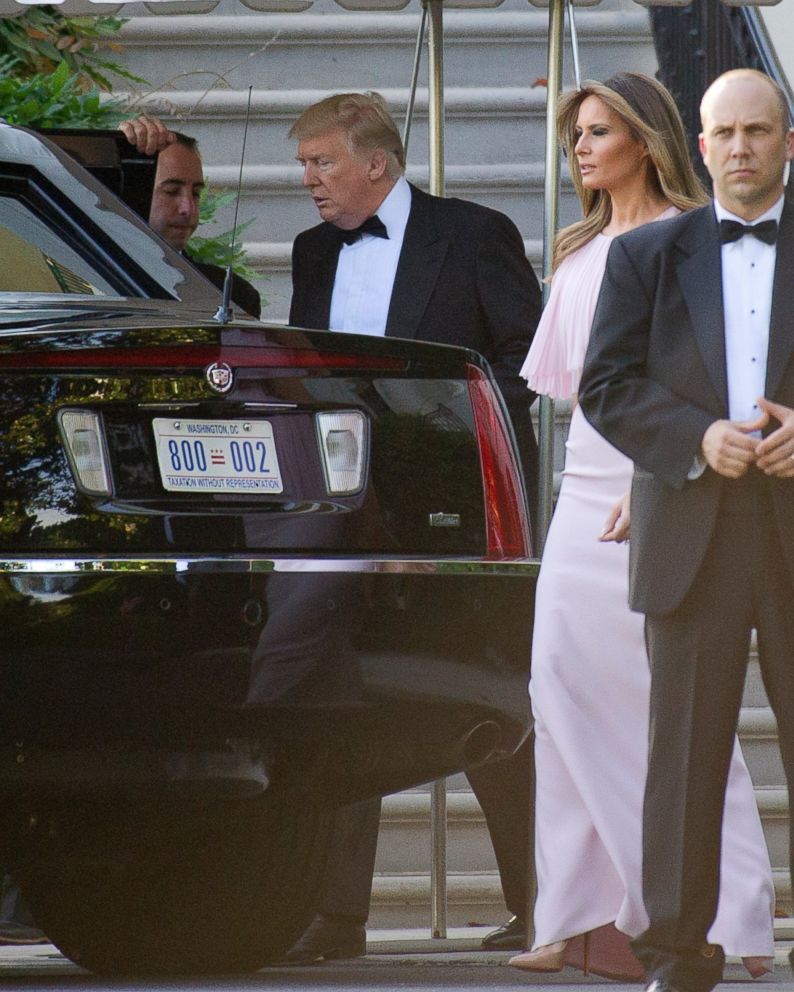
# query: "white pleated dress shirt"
[[748, 273], [366, 269]]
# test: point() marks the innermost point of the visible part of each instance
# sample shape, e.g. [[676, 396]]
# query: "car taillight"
[[85, 447], [506, 521], [342, 444]]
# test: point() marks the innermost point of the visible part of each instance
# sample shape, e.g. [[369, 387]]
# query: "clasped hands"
[[730, 450]]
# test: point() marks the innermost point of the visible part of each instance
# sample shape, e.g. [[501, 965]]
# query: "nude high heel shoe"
[[553, 957], [550, 957], [758, 966]]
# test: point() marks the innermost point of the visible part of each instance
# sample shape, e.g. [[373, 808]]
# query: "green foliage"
[[56, 99], [52, 69], [219, 249], [42, 39]]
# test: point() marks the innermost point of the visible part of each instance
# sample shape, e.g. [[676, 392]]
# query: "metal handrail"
[[435, 107], [409, 110], [697, 43], [767, 55]]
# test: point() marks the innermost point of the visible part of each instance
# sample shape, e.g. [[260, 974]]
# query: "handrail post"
[[435, 120], [435, 95], [438, 858], [409, 110], [550, 220]]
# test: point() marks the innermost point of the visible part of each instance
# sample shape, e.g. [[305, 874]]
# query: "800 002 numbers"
[[218, 459], [245, 456]]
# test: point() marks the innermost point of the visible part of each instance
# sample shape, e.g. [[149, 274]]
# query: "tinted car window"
[[37, 260]]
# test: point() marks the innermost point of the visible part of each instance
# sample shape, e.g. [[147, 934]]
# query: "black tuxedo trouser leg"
[[12, 906], [503, 789], [347, 883], [698, 663]]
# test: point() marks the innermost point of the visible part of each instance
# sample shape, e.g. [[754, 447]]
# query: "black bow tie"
[[732, 230], [372, 225]]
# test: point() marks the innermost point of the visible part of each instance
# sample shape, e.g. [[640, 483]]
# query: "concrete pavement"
[[419, 960]]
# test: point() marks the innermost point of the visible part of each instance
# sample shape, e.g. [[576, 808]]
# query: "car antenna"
[[224, 312]]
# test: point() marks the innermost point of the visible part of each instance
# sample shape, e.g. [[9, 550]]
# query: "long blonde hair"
[[651, 114]]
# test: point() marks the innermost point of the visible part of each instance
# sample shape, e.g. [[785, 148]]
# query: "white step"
[[334, 51]]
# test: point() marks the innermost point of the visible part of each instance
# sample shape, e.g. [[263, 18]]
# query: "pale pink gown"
[[590, 683]]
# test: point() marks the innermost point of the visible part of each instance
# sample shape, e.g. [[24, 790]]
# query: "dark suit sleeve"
[[244, 295], [627, 390], [313, 269], [299, 287], [510, 301]]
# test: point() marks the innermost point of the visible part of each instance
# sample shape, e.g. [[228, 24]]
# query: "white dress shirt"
[[748, 275], [748, 272], [366, 269]]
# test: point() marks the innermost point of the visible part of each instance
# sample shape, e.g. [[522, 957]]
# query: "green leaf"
[[33, 39]]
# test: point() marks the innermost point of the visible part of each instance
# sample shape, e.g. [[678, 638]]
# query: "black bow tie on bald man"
[[372, 225], [732, 230]]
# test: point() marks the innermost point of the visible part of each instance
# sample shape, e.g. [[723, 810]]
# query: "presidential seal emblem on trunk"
[[220, 377]]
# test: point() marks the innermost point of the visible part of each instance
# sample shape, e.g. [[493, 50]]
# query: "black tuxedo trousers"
[[699, 662]]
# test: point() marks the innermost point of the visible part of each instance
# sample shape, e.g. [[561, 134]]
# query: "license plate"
[[217, 456]]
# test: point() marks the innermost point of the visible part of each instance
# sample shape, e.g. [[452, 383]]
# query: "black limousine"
[[248, 573]]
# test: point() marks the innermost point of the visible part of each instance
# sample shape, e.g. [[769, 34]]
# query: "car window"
[[36, 259]]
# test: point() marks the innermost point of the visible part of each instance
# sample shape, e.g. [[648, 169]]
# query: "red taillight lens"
[[506, 521], [195, 356]]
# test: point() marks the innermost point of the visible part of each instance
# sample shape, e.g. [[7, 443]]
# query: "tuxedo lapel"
[[700, 279], [781, 323], [321, 261], [421, 258]]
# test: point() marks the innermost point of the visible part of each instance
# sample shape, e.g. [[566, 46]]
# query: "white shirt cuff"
[[698, 468]]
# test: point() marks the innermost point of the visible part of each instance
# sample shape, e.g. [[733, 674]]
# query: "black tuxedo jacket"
[[243, 293], [655, 379], [462, 278]]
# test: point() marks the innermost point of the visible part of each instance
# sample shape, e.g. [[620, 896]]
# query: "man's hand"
[[775, 453], [728, 448], [148, 134]]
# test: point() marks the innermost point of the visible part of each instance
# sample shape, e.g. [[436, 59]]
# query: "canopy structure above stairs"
[[131, 8]]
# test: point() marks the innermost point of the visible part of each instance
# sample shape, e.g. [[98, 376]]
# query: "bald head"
[[745, 141], [729, 81]]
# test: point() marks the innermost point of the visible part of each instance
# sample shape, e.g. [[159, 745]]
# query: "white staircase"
[[401, 886]]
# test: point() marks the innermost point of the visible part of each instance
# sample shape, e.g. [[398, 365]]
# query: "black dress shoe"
[[13, 934], [329, 938], [661, 985], [510, 936]]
